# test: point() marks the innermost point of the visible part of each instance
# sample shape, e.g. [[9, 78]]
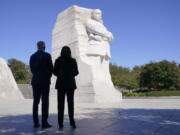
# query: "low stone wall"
[[26, 90]]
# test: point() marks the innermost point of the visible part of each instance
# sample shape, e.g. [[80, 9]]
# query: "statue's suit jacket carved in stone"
[[65, 69], [99, 37]]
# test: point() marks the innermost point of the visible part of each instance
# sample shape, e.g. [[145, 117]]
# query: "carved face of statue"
[[97, 15]]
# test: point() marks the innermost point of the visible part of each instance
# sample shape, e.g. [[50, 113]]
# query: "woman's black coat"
[[65, 69]]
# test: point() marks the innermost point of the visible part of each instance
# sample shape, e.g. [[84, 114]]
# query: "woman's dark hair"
[[66, 52]]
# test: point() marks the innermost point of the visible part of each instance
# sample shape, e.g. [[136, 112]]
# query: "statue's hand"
[[95, 37], [98, 38]]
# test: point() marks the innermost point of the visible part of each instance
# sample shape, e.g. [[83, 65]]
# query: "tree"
[[20, 71], [160, 75], [125, 78], [118, 70]]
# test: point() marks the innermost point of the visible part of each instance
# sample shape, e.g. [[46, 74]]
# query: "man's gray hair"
[[41, 45]]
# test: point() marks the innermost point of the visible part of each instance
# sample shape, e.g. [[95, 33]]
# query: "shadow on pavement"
[[102, 122]]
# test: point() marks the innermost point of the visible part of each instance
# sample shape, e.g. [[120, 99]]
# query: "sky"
[[144, 30]]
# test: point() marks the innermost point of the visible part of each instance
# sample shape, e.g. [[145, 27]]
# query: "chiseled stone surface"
[[130, 117], [83, 31], [8, 86]]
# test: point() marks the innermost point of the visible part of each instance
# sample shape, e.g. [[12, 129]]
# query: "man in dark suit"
[[41, 67]]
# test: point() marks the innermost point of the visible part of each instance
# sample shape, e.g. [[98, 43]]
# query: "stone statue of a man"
[[83, 31], [99, 36]]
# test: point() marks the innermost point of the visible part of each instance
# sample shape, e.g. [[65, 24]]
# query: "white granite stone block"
[[8, 86]]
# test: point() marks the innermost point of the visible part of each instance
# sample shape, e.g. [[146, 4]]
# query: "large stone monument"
[[8, 86], [83, 31]]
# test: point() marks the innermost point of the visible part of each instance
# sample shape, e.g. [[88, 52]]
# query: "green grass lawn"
[[153, 93]]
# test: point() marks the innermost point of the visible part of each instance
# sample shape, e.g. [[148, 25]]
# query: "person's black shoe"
[[61, 126], [73, 125], [47, 125], [36, 125]]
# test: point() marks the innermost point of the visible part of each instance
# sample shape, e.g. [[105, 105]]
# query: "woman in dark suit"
[[65, 69]]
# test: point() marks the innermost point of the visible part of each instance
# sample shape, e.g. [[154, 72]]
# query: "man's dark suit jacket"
[[65, 69], [41, 67]]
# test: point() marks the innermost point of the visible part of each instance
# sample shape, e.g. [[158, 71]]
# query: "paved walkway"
[[131, 117]]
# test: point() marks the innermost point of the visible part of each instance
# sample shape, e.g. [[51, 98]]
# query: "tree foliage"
[[123, 77], [160, 75], [155, 75], [20, 71]]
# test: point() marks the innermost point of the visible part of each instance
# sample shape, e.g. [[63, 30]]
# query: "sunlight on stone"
[[7, 130], [171, 123]]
